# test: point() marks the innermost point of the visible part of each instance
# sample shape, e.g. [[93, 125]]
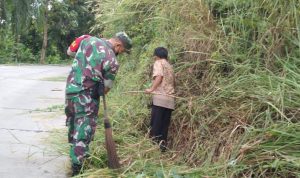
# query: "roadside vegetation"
[[237, 73]]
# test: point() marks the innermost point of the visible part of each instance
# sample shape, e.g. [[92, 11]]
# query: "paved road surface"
[[26, 95]]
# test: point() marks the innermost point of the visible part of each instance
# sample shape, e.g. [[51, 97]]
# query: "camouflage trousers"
[[82, 112]]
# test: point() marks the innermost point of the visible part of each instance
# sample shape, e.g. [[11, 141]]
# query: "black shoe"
[[76, 168], [163, 148]]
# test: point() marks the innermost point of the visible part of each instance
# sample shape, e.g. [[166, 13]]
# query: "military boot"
[[76, 168]]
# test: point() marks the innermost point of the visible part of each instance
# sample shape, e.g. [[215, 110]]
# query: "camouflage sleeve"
[[110, 69], [70, 53]]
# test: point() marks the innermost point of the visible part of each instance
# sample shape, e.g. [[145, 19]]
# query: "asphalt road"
[[29, 98]]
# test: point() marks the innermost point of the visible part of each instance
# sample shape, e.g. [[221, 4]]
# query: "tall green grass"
[[237, 70]]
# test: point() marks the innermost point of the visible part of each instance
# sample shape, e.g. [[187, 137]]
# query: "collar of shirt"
[[109, 45]]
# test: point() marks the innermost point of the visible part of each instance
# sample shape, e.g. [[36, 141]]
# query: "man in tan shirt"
[[163, 103]]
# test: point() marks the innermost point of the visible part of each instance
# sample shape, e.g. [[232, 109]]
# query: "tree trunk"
[[44, 47]]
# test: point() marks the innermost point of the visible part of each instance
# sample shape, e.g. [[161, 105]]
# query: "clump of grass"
[[53, 108], [270, 152], [55, 79]]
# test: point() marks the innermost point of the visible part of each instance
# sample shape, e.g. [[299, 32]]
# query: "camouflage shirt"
[[95, 62]]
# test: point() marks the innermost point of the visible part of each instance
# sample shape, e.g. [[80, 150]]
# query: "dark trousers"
[[160, 121]]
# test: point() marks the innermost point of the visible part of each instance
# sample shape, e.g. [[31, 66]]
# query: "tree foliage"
[[23, 21]]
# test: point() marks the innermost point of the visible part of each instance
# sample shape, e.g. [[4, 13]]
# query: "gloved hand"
[[97, 90]]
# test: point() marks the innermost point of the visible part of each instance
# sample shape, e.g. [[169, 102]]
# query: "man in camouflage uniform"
[[93, 70]]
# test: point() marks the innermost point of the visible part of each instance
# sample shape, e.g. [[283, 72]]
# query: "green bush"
[[6, 45], [12, 52], [24, 54]]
